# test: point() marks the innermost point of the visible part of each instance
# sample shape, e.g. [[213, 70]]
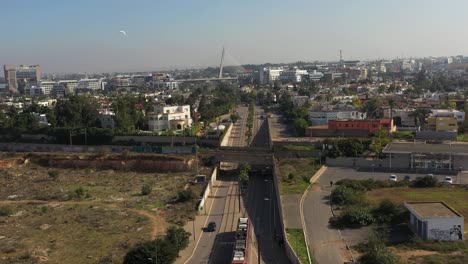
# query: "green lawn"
[[455, 197], [302, 169], [297, 241], [296, 147], [463, 137]]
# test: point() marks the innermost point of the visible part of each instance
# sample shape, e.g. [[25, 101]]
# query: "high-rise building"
[[18, 77], [10, 77]]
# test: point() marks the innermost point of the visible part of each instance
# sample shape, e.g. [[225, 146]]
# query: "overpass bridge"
[[208, 79]]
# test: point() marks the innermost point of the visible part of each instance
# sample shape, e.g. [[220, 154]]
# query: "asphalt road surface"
[[263, 211], [214, 247]]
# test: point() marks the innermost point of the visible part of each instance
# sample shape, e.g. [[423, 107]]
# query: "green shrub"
[[426, 181], [377, 252], [146, 189], [54, 174], [343, 195], [6, 210], [185, 196], [154, 251], [356, 216], [390, 213], [81, 193]]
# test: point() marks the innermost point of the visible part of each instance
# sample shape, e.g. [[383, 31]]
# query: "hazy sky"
[[83, 35]]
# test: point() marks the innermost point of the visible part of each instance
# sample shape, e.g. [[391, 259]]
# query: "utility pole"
[[193, 225], [258, 248], [239, 193]]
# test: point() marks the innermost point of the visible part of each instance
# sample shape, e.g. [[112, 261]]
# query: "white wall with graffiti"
[[437, 228]]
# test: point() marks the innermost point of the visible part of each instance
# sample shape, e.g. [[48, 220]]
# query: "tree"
[[356, 102], [392, 105], [244, 173], [300, 124], [156, 251], [371, 108], [380, 140], [420, 115], [178, 237]]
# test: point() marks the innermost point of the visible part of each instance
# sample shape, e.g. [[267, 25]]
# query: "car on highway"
[[407, 178], [211, 227], [448, 180], [393, 178]]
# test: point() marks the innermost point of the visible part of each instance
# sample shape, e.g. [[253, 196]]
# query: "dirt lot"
[[59, 215]]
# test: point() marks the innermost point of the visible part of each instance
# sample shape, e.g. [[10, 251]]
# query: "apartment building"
[[441, 124], [165, 118], [293, 75], [269, 75], [318, 118]]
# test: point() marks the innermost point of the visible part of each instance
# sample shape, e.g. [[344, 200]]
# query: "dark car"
[[211, 227], [407, 178]]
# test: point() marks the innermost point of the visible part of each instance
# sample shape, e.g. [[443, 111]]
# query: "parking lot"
[[337, 173]]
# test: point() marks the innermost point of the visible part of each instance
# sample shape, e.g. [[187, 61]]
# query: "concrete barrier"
[[226, 135], [208, 188]]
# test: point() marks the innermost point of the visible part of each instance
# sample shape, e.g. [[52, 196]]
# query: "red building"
[[351, 127]]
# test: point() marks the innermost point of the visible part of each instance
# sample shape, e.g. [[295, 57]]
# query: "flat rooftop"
[[432, 210], [419, 147]]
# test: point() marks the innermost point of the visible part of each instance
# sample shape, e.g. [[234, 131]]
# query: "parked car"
[[430, 175], [448, 180], [211, 227], [393, 178], [407, 178]]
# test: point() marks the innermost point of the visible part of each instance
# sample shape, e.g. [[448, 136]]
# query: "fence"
[[207, 192]]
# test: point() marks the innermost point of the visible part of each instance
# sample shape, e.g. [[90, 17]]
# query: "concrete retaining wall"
[[208, 189], [287, 247], [226, 135]]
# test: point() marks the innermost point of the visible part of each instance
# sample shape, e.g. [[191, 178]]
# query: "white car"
[[393, 178], [448, 180]]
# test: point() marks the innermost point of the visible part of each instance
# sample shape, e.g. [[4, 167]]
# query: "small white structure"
[[435, 221], [164, 117]]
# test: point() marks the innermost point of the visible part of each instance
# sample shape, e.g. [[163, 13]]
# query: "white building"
[[47, 87], [315, 75], [269, 75], [435, 221], [319, 118], [92, 84], [169, 118], [293, 75], [459, 115], [70, 84], [33, 91]]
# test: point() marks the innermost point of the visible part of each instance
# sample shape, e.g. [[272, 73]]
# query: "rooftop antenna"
[[221, 65]]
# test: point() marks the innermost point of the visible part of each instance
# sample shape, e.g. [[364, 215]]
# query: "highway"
[[263, 211], [214, 247]]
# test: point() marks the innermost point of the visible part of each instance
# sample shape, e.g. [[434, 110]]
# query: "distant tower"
[[341, 59], [221, 65]]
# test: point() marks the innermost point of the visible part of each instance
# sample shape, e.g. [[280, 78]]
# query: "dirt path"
[[157, 219]]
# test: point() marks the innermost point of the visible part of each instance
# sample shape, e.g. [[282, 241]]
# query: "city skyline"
[[87, 36]]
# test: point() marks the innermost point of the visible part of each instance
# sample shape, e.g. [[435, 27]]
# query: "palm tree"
[[392, 104], [419, 115]]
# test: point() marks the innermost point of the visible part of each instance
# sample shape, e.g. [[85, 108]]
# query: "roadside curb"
[[301, 206]]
